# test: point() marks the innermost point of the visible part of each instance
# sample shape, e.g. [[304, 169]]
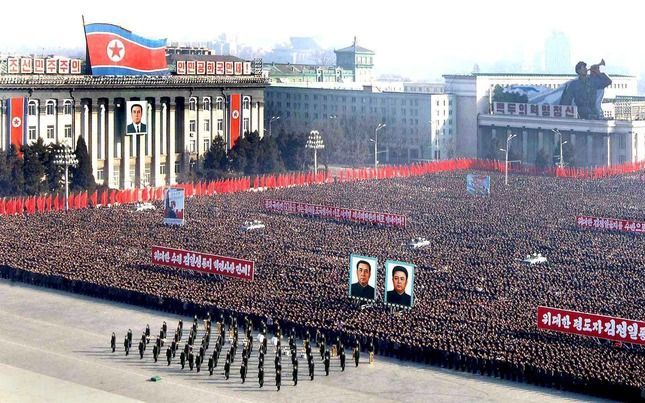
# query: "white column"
[[170, 135], [110, 140], [3, 126], [540, 137], [608, 150], [91, 137], [589, 150], [525, 146], [156, 147], [261, 118]]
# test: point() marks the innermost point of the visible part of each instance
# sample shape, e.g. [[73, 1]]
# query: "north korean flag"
[[117, 51], [235, 125], [17, 113]]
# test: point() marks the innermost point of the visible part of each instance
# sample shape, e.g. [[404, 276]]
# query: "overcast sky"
[[418, 39]]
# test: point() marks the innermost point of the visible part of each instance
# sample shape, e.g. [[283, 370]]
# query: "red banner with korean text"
[[610, 224], [335, 213], [588, 324], [203, 262]]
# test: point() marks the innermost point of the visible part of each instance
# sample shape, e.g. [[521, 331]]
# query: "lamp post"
[[315, 142], [561, 144], [66, 158], [508, 141], [379, 127], [270, 121]]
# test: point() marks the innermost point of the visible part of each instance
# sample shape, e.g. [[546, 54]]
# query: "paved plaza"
[[55, 347]]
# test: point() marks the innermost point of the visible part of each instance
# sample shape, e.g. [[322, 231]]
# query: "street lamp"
[[561, 144], [379, 127], [315, 142], [66, 158], [271, 120], [508, 140]]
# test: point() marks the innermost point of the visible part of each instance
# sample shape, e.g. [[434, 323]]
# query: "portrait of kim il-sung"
[[137, 117], [362, 276]]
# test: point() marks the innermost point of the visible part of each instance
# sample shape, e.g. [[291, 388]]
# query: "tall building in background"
[[557, 54]]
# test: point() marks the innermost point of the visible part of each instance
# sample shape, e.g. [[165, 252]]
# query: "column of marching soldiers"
[[195, 357]]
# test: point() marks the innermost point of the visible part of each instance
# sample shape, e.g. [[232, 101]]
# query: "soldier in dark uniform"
[[311, 368], [169, 355], [322, 348], [191, 360], [126, 344], [165, 328], [261, 360], [147, 331], [295, 374], [144, 340], [113, 342], [227, 367], [327, 362], [155, 352], [158, 343], [182, 359], [129, 338], [142, 348], [261, 376], [243, 372], [202, 351], [210, 365], [198, 362], [173, 348], [278, 379], [357, 354], [342, 359]]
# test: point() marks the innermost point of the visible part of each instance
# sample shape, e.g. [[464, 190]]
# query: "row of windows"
[[50, 107], [32, 132], [192, 125], [219, 103], [345, 99]]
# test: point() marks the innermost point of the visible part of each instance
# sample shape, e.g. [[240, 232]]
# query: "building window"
[[207, 145], [207, 103], [177, 166], [32, 132], [162, 168], [220, 125], [219, 104], [246, 103], [68, 131], [193, 146], [621, 142], [192, 126], [100, 174], [50, 132], [51, 107], [67, 107], [245, 125], [32, 109], [207, 125], [192, 104]]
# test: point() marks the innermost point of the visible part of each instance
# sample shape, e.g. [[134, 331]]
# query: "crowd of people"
[[475, 301]]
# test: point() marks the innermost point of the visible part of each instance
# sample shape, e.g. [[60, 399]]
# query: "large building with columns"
[[613, 140], [185, 113]]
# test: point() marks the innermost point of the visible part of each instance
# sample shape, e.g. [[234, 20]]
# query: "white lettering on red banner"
[[588, 324], [610, 224], [336, 213], [204, 262]]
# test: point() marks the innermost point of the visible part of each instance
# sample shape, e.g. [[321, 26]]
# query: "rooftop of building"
[[29, 81], [536, 75], [355, 48]]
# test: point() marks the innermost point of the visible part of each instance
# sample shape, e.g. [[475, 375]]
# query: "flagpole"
[[87, 49]]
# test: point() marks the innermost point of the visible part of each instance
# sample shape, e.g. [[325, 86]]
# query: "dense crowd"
[[475, 301]]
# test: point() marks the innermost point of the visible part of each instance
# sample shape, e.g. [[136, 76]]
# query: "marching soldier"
[[113, 342], [327, 362], [129, 339], [227, 367], [155, 352], [168, 355], [201, 352], [126, 345], [260, 360], [173, 347], [311, 369], [295, 374], [278, 379], [147, 331], [182, 359], [342, 360], [322, 348], [261, 377], [243, 372], [210, 366], [198, 362], [144, 340], [357, 354], [142, 348], [370, 349], [191, 360]]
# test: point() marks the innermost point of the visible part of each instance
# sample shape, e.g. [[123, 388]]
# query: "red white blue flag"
[[117, 51], [235, 126], [17, 112]]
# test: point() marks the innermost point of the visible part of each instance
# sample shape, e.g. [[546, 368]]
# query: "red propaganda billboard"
[[336, 213], [203, 262], [588, 324], [610, 224]]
